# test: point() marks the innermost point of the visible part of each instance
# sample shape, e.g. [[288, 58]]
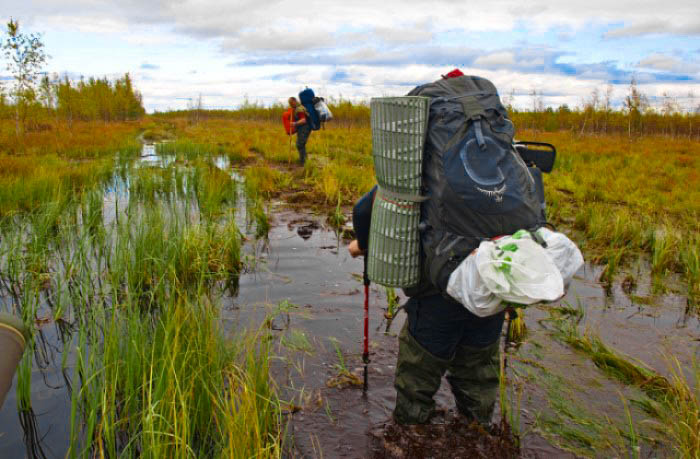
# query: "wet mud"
[[453, 438], [338, 420]]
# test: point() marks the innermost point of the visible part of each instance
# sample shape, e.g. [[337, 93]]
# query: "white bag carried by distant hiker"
[[324, 113], [515, 269]]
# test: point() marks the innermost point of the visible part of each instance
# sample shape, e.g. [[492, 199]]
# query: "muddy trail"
[[301, 282], [320, 372]]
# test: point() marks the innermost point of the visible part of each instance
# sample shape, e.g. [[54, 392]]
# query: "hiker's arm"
[[301, 121], [361, 218]]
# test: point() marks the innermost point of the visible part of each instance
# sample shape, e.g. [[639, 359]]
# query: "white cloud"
[[365, 48], [415, 34], [269, 39], [660, 62], [685, 27], [665, 63], [502, 59], [213, 18]]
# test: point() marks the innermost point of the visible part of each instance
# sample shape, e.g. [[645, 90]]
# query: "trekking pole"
[[510, 312], [365, 352]]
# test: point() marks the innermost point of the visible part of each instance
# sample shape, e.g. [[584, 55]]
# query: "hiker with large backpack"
[[439, 335], [300, 123], [472, 186], [303, 116]]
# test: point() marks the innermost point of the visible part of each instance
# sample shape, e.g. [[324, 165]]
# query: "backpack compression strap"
[[401, 196], [473, 110]]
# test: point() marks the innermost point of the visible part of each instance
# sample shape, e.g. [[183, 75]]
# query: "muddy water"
[[306, 265], [324, 282]]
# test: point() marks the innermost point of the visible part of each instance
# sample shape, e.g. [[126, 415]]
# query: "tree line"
[[33, 98], [634, 117]]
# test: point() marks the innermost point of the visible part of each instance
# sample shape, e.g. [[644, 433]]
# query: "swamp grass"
[[55, 164], [173, 241], [622, 198], [673, 401], [135, 280], [173, 386]]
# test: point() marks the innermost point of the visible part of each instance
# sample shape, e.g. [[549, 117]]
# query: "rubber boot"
[[473, 375], [418, 376], [12, 343]]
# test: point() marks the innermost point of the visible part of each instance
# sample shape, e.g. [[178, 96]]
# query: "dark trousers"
[[303, 133], [441, 337]]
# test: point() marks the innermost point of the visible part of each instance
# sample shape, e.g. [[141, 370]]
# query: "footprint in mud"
[[454, 438]]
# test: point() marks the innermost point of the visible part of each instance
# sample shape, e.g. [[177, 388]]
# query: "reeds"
[[680, 413], [173, 386], [154, 375], [673, 401]]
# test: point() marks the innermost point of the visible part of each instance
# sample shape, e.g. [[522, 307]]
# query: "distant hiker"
[[459, 207], [303, 128]]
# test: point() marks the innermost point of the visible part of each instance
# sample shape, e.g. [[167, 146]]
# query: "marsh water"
[[303, 277]]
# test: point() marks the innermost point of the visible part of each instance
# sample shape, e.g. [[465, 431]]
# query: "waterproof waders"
[[472, 373]]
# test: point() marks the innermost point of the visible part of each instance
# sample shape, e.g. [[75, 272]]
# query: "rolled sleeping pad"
[[13, 339], [399, 126]]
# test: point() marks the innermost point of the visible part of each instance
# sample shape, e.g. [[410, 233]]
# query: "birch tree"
[[25, 58]]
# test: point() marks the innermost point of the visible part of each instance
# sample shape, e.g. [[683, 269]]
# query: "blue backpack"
[[306, 97]]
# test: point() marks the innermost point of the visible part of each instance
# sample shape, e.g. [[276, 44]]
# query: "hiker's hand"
[[354, 249]]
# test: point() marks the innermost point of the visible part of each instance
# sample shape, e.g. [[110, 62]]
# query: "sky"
[[264, 51]]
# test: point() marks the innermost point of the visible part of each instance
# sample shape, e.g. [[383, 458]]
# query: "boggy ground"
[[643, 300], [572, 383], [455, 438], [558, 398], [624, 199]]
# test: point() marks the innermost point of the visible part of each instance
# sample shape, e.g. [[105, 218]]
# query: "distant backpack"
[[306, 97], [477, 186]]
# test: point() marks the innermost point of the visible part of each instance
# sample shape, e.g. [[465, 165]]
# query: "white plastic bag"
[[516, 279], [563, 252], [517, 269], [465, 285], [324, 113]]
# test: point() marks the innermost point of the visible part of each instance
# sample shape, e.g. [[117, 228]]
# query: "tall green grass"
[[154, 373], [174, 386]]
